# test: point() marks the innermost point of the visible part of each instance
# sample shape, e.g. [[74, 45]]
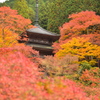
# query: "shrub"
[[91, 77], [59, 66], [60, 88], [83, 66], [21, 80], [17, 76]]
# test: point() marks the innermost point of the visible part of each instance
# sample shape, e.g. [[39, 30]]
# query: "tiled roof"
[[40, 30]]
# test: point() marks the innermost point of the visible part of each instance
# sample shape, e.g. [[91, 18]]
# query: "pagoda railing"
[[46, 42]]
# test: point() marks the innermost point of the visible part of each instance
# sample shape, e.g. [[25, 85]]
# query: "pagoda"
[[39, 38]]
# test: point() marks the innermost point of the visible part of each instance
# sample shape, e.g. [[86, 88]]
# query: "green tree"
[[23, 9], [55, 12], [3, 4], [9, 3]]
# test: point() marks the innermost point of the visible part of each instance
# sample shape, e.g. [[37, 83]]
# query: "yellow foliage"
[[7, 38], [92, 62], [80, 47]]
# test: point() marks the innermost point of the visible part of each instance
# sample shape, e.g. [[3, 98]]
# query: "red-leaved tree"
[[85, 23], [10, 19], [20, 79], [11, 26]]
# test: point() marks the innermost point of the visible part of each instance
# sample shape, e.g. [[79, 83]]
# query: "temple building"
[[39, 38]]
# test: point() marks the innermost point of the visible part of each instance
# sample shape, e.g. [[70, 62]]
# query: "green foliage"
[[9, 3], [55, 12], [3, 4], [23, 9], [83, 66]]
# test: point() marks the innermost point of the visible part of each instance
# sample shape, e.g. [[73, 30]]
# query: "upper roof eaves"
[[40, 30]]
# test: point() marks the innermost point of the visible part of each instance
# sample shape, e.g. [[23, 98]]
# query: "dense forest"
[[72, 73], [52, 13]]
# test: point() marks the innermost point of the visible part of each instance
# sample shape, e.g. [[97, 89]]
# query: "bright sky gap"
[[1, 1]]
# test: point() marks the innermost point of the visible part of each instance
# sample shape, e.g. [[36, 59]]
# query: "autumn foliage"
[[91, 77], [24, 75], [20, 79], [17, 75], [79, 22], [11, 26], [53, 66], [7, 38], [83, 24], [10, 19], [80, 36], [82, 48]]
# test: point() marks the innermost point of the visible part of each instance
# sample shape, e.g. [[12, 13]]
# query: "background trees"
[[59, 10], [53, 13], [23, 9]]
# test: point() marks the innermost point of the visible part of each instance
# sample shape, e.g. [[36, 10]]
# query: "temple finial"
[[36, 16]]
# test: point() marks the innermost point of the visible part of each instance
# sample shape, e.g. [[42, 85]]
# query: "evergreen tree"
[[9, 3], [55, 12], [3, 4], [23, 9]]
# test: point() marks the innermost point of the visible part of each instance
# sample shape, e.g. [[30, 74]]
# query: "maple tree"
[[93, 34], [7, 38], [53, 66], [10, 19], [92, 90], [81, 48], [20, 77], [91, 77], [85, 23], [81, 37], [79, 22], [90, 82], [60, 88], [11, 26], [17, 75], [22, 80]]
